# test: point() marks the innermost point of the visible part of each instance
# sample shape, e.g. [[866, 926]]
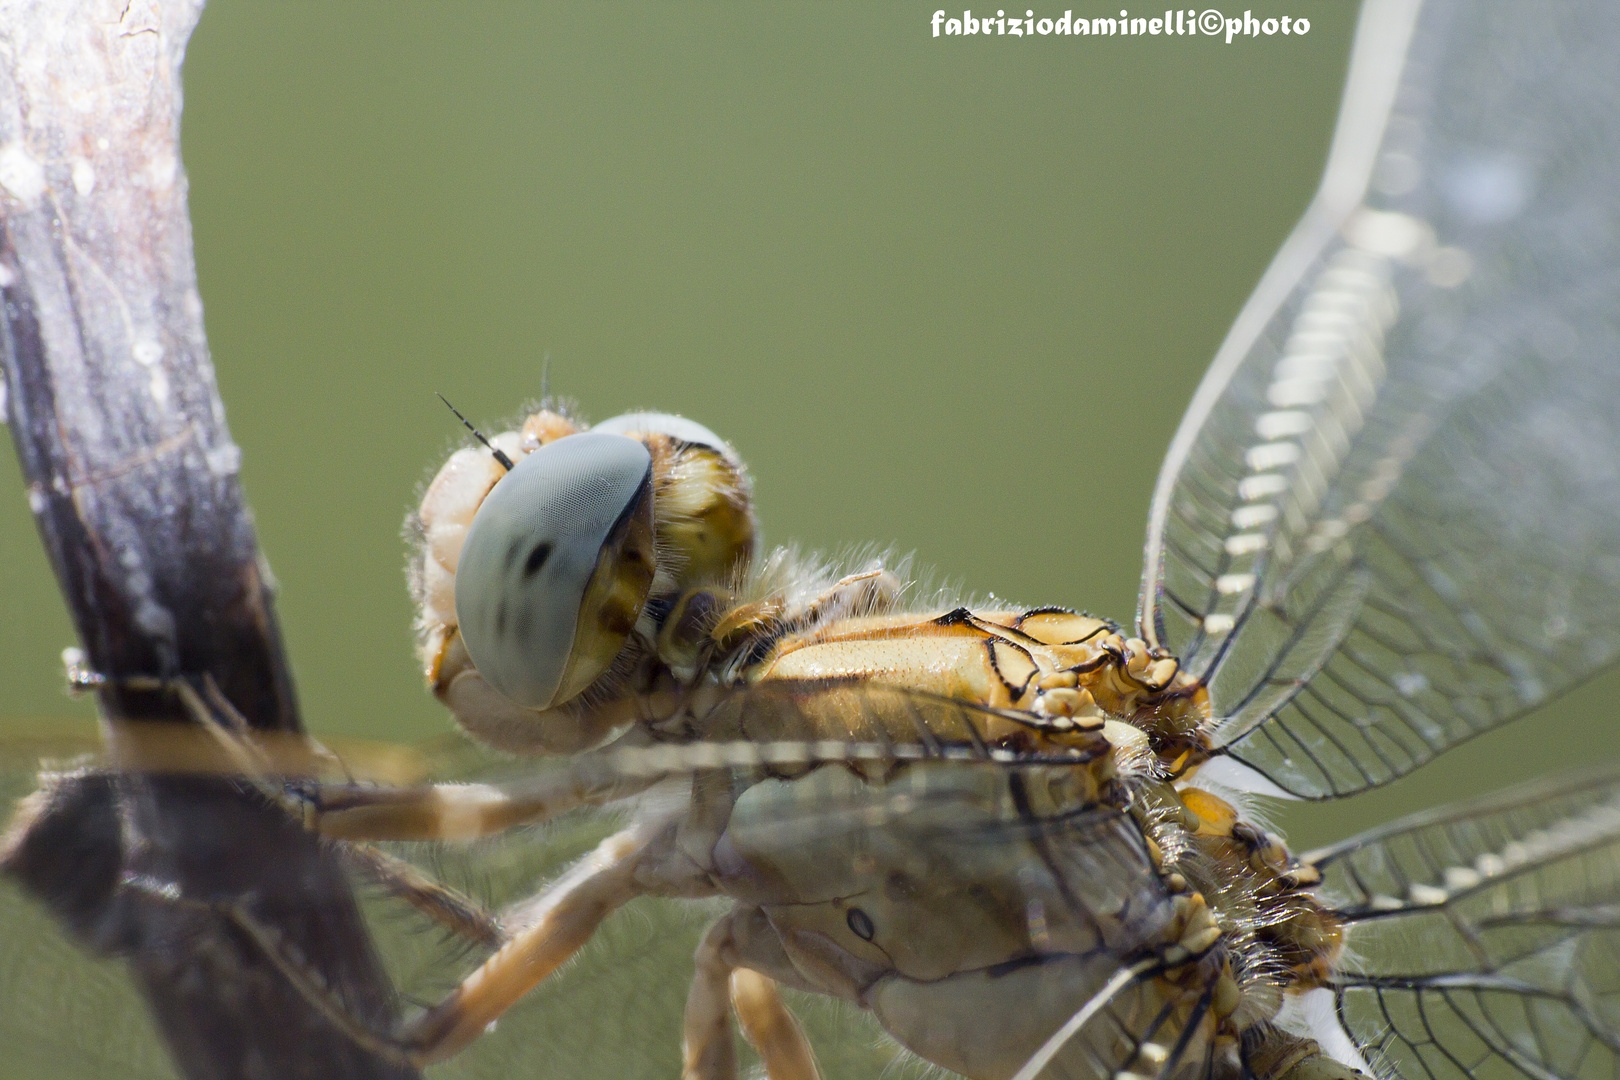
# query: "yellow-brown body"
[[847, 859]]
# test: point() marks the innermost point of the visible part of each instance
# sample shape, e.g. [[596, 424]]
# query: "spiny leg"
[[556, 925], [230, 732], [353, 811], [545, 932], [552, 929], [707, 1052], [719, 985], [461, 811], [448, 907], [770, 1028]]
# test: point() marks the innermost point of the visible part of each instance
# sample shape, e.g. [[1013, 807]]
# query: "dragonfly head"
[[556, 567], [567, 547]]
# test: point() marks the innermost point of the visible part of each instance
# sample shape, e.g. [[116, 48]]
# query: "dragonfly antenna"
[[506, 462]]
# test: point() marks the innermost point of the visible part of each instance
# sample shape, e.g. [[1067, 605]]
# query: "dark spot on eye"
[[860, 924], [503, 615], [537, 558]]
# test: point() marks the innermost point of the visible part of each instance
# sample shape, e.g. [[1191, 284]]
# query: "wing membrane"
[[974, 888], [1484, 941], [1391, 517]]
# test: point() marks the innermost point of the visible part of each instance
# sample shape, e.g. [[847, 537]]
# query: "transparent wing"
[[981, 907], [1484, 940], [1391, 517], [986, 883], [62, 1014], [620, 1003]]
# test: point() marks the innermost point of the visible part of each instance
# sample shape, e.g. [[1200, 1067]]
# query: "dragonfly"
[[1027, 841]]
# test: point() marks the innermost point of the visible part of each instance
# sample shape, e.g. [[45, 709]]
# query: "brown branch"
[[132, 478]]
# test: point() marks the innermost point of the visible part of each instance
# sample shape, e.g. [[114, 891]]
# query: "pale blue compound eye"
[[556, 566], [676, 427]]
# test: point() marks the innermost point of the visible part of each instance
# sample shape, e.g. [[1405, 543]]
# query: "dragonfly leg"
[[460, 811], [719, 986], [770, 1028], [707, 1052], [443, 811], [448, 907], [548, 932], [554, 927]]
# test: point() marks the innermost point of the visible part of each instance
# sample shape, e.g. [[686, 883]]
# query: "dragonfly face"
[[1020, 839]]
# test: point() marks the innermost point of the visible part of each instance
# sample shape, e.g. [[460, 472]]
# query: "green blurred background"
[[947, 294]]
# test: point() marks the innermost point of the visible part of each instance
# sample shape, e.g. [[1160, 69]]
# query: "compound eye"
[[705, 509], [676, 427], [556, 566]]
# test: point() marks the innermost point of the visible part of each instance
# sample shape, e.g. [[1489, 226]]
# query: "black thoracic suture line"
[[995, 630], [995, 666], [1104, 626], [1104, 657]]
